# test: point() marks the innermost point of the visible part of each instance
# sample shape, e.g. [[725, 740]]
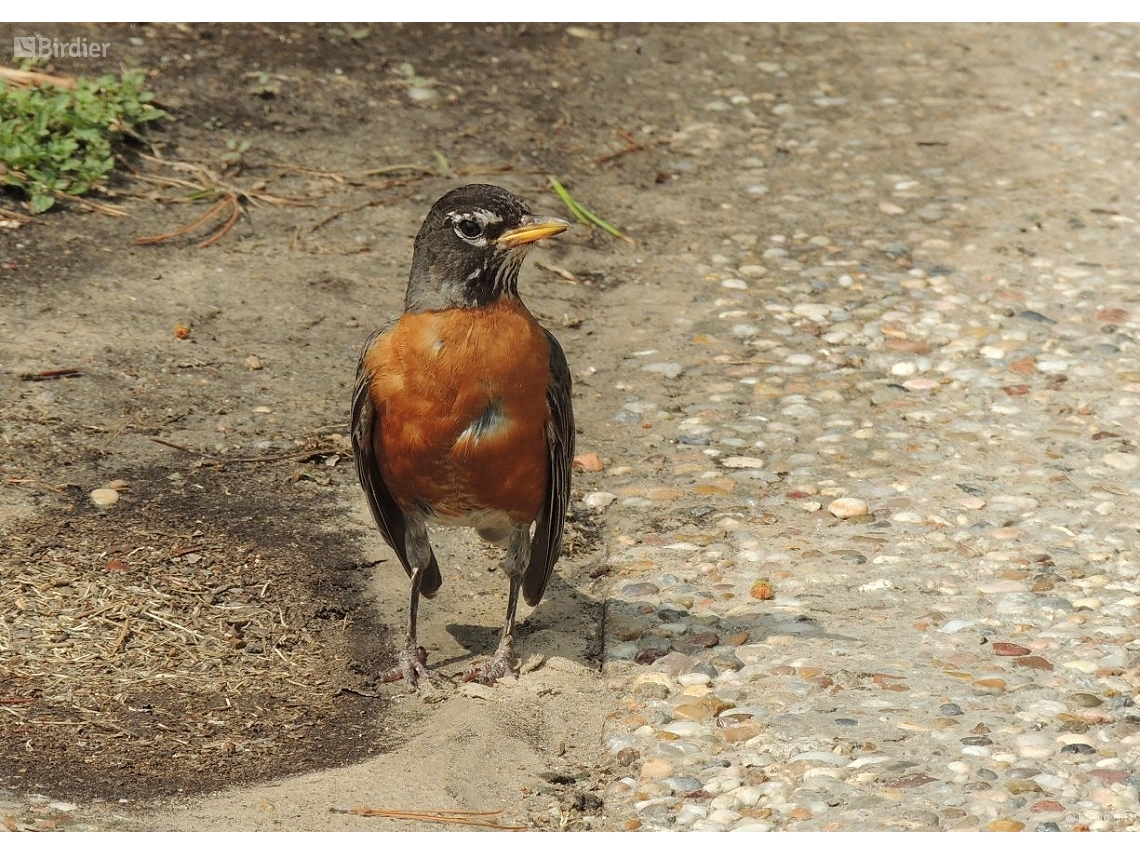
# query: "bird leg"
[[505, 663], [413, 658]]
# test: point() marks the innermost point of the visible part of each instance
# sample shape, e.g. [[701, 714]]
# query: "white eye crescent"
[[467, 228]]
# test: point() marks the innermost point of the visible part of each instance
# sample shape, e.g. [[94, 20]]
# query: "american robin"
[[461, 412]]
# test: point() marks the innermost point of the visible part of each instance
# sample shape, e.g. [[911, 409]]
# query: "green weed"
[[60, 142]]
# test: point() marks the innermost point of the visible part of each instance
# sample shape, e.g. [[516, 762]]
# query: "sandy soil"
[[185, 698]]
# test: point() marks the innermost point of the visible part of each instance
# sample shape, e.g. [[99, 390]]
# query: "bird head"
[[470, 247]]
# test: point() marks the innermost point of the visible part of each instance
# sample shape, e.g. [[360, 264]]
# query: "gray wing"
[[547, 541], [389, 518]]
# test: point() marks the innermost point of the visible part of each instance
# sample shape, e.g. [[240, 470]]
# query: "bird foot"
[[413, 666], [505, 664]]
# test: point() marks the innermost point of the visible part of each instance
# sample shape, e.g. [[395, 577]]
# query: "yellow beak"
[[532, 229]]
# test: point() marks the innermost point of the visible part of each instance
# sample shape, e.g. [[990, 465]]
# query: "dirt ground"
[[223, 622], [202, 654]]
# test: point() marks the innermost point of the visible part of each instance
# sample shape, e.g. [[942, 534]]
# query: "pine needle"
[[479, 819], [584, 214]]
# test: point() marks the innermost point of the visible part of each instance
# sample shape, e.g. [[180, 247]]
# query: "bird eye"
[[468, 228]]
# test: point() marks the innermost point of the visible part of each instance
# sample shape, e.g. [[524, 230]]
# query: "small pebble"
[[588, 462], [598, 499], [1005, 648], [670, 370], [743, 462], [1122, 461], [1006, 825], [104, 497], [846, 508]]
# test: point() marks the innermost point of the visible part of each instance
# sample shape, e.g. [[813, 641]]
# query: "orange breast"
[[461, 396]]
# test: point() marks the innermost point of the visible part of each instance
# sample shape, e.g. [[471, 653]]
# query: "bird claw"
[[503, 665], [413, 666]]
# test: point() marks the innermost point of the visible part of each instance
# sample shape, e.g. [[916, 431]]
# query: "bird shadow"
[[567, 623]]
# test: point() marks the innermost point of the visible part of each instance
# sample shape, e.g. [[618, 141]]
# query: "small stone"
[[694, 678], [1121, 461], [1112, 315], [1021, 787], [589, 462], [627, 756], [704, 639], [671, 370], [920, 384], [919, 348], [743, 463], [1040, 663], [628, 629], [991, 684], [682, 783], [649, 655], [847, 507], [1084, 700], [956, 625], [422, 94], [690, 439], [1006, 825], [1082, 748], [253, 363], [656, 767], [906, 782], [598, 499], [589, 35], [740, 733], [694, 711], [639, 589], [1005, 648], [1109, 776], [104, 497]]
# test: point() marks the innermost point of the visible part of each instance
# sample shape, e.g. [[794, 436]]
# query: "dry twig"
[[269, 458], [456, 817], [36, 482], [16, 216], [204, 183], [50, 374], [20, 77], [631, 146]]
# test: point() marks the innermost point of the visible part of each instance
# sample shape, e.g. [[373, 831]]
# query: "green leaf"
[[41, 202]]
